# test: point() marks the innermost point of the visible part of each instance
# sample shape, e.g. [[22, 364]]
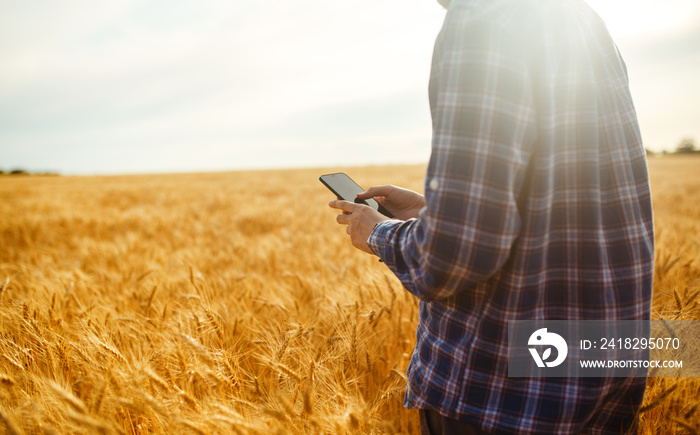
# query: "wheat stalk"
[[692, 429], [10, 425], [658, 399], [68, 397]]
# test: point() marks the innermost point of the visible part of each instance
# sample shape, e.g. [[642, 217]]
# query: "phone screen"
[[345, 188]]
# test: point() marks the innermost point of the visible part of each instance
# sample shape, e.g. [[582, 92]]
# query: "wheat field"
[[233, 303]]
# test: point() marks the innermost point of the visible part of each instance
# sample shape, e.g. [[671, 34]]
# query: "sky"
[[147, 86]]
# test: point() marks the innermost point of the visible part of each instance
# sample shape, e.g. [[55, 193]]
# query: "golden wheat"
[[232, 302]]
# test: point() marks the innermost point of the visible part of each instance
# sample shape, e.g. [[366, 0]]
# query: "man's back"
[[538, 207]]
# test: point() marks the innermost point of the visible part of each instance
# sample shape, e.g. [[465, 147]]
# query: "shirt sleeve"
[[483, 131]]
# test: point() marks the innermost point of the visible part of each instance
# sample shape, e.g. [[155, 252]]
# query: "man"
[[537, 206]]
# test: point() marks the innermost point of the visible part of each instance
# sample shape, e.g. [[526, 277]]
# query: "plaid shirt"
[[538, 207]]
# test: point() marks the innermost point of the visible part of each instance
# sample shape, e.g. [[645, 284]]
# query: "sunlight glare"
[[639, 19]]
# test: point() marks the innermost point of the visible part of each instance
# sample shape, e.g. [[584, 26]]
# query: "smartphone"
[[344, 188]]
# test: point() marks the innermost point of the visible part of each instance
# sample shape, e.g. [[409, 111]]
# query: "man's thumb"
[[373, 191]]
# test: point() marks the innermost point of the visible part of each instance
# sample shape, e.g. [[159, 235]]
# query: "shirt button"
[[434, 184]]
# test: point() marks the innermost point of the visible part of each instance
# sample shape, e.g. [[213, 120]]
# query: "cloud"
[[664, 84], [182, 85], [90, 87]]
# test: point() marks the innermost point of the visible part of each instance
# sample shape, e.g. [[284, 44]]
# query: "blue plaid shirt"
[[538, 207]]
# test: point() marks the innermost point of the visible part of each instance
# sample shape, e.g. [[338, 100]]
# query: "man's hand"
[[360, 220], [402, 203]]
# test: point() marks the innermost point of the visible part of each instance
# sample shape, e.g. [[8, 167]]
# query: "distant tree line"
[[23, 172], [685, 147]]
